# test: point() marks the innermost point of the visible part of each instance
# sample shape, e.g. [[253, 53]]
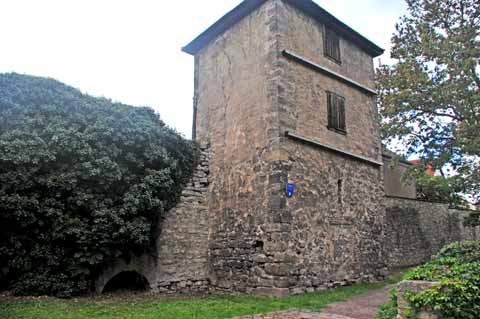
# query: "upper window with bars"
[[336, 113], [332, 45]]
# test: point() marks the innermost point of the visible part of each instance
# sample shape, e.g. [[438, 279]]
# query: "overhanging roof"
[[308, 7]]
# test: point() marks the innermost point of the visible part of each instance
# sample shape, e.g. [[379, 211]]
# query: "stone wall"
[[247, 95], [180, 264], [182, 247], [306, 39], [234, 229], [416, 230], [397, 182], [330, 233], [305, 90], [235, 95]]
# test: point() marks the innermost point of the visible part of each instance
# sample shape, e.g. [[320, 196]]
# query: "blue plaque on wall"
[[290, 189]]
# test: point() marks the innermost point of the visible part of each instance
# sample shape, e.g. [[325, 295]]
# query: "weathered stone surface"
[[235, 96], [182, 246], [305, 91], [416, 230], [268, 291], [397, 182], [247, 94], [180, 264], [234, 229]]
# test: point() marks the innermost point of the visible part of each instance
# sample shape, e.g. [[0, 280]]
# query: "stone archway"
[[127, 281], [142, 266]]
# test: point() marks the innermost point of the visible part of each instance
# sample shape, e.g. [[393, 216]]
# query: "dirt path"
[[361, 307]]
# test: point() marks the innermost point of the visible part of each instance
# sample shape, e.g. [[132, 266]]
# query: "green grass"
[[162, 308]]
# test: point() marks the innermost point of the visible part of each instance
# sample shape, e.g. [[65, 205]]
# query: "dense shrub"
[[83, 181], [457, 268]]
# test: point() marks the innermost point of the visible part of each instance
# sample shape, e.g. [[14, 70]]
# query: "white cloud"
[[129, 50]]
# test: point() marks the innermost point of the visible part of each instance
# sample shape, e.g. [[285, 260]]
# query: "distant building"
[[429, 169]]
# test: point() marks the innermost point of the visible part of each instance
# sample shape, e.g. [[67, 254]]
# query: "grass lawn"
[[149, 307]]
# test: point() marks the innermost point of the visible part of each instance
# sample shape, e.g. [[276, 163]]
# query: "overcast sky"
[[130, 50]]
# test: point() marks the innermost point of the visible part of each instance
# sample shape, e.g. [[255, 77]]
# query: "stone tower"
[[284, 95]]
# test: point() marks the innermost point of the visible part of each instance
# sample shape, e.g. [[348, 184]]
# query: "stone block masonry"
[[416, 230], [180, 264], [235, 230], [182, 247], [247, 95], [335, 231]]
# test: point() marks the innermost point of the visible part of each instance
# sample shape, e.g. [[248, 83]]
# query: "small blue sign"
[[290, 190]]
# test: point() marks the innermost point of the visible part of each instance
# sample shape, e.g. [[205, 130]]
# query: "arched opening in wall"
[[127, 281]]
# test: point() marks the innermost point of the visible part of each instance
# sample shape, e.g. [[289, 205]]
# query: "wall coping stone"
[[429, 202]]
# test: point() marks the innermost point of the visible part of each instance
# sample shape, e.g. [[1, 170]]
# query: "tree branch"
[[423, 112], [476, 78]]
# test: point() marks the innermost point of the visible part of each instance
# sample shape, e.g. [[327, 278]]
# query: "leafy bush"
[[390, 309], [439, 189], [83, 181], [457, 268]]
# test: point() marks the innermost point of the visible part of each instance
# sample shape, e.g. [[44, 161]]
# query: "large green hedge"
[[83, 181]]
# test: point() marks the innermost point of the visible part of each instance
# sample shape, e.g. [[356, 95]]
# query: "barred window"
[[336, 113], [332, 45]]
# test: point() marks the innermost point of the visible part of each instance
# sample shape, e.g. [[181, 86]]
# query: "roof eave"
[[308, 7], [316, 12]]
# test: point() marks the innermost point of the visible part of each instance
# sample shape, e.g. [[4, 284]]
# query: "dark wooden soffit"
[[317, 67], [308, 7], [333, 149]]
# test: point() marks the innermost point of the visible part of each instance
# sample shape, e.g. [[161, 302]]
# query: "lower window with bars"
[[336, 113]]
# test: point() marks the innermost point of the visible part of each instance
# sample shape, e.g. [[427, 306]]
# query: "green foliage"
[[390, 309], [83, 181], [460, 252], [439, 189], [430, 99], [457, 269]]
